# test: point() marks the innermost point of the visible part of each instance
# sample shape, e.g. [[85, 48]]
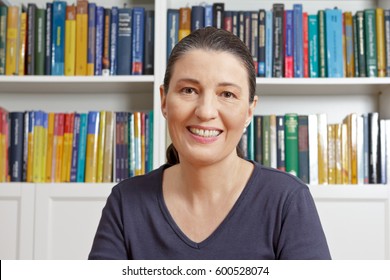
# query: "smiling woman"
[[207, 202]]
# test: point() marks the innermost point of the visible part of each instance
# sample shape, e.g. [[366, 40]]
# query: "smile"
[[205, 132]]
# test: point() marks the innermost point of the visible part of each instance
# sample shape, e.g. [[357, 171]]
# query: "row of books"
[[98, 146], [292, 43], [81, 39], [355, 151]]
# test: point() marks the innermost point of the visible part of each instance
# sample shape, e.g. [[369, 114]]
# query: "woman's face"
[[207, 106]]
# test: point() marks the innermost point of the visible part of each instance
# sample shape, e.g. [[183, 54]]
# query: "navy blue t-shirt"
[[274, 218]]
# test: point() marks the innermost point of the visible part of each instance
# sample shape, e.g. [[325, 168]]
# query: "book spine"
[[75, 148], [124, 41], [12, 40], [70, 41], [131, 141], [313, 46], [291, 143], [322, 45], [92, 145], [197, 17], [80, 175], [289, 44], [67, 150], [91, 43], [228, 21], [262, 40], [332, 173], [254, 38], [81, 37], [268, 44], [30, 148], [273, 143], [184, 22], [106, 43], [58, 36], [100, 148], [37, 150], [99, 40], [30, 62], [298, 40], [305, 33], [218, 13], [16, 146], [149, 43], [3, 37], [334, 43], [114, 41], [172, 29], [303, 148], [349, 45], [280, 138], [355, 46], [278, 53], [373, 148], [208, 15], [40, 42], [235, 23], [370, 43], [266, 140], [360, 22], [387, 41], [138, 41], [108, 147], [48, 26], [322, 148], [380, 42], [118, 146], [313, 149], [50, 147]]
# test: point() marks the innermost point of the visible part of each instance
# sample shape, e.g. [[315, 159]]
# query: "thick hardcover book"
[[313, 46], [334, 42], [370, 43], [70, 41], [172, 29], [80, 175], [48, 26], [303, 148], [387, 41], [106, 43], [261, 54], [291, 143], [114, 41], [373, 148], [289, 46], [125, 45], [235, 27], [58, 38], [380, 42], [355, 46], [12, 40], [3, 37], [184, 22], [92, 145], [349, 44], [81, 37], [197, 17], [31, 37], [278, 41], [91, 43], [218, 13], [149, 43], [298, 40], [268, 44], [75, 148], [323, 68], [99, 40], [138, 41], [361, 41], [40, 41], [16, 146]]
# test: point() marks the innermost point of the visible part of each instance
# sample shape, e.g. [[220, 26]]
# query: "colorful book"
[[268, 44], [49, 33], [81, 37], [12, 41], [30, 148], [3, 37], [108, 146], [334, 42], [100, 146], [22, 43], [298, 40], [58, 146], [91, 42], [99, 40], [323, 68], [125, 45], [172, 29], [80, 177], [184, 22], [291, 143], [106, 43], [75, 148], [371, 42], [40, 41], [58, 38], [380, 42], [31, 37], [67, 150], [114, 51], [289, 45], [137, 56], [313, 46], [303, 148], [92, 146], [322, 132], [349, 45], [70, 41], [50, 147], [262, 40]]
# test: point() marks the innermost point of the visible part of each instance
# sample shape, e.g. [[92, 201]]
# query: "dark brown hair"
[[213, 39]]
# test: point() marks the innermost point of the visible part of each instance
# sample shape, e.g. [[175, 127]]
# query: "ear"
[[163, 99], [251, 110]]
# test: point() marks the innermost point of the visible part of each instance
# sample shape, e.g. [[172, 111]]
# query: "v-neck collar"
[[220, 227]]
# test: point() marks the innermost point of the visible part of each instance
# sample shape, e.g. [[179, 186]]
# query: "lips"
[[207, 133]]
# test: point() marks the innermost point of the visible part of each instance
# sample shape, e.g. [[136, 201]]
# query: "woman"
[[207, 202]]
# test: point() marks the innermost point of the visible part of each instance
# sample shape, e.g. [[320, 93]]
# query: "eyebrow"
[[220, 84]]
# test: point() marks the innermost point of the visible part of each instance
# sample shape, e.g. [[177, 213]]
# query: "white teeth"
[[205, 133]]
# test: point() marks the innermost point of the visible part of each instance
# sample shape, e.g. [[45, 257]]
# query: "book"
[[273, 144], [289, 46], [101, 146], [254, 38], [278, 42], [370, 43], [208, 15], [323, 68], [58, 38], [262, 40], [298, 40], [334, 43], [58, 146], [172, 29], [228, 21], [149, 43], [313, 46], [305, 33], [313, 148], [138, 41], [280, 147], [40, 41], [99, 40], [49, 32], [387, 40], [91, 147], [50, 147], [322, 133], [70, 41], [266, 138], [106, 43], [67, 149], [268, 44], [373, 148], [197, 17], [303, 148], [355, 46], [361, 41], [12, 41], [75, 148], [218, 14], [380, 42], [3, 37], [184, 22], [22, 43], [16, 120], [31, 37], [108, 146], [349, 45], [30, 147], [91, 42], [125, 31], [38, 147], [291, 143], [80, 175], [114, 41], [81, 37], [332, 171]]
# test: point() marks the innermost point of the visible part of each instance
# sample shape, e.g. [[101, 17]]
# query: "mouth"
[[207, 133]]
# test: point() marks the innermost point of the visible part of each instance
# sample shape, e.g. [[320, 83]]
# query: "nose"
[[206, 108]]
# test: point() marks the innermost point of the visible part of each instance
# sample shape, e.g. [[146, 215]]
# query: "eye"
[[228, 94], [188, 90]]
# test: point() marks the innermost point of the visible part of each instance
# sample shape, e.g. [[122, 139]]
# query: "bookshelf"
[[29, 204]]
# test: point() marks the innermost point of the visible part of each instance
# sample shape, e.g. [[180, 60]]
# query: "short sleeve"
[[109, 241], [302, 236]]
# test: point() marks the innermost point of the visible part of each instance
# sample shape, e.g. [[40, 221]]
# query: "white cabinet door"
[[17, 221], [66, 219], [356, 220]]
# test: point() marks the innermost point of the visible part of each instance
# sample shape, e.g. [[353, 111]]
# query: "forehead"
[[210, 63]]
